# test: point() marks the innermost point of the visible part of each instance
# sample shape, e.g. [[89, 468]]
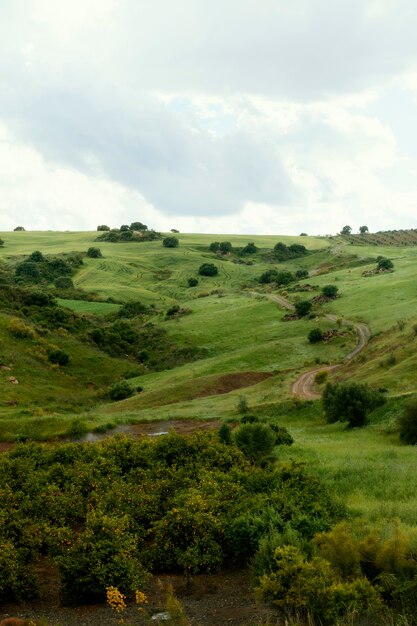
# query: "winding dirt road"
[[303, 387]]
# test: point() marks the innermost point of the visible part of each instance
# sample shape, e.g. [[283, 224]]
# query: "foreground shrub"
[[95, 559], [58, 357], [407, 423], [255, 440]]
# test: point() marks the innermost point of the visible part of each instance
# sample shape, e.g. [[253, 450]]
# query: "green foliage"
[[28, 269], [64, 282], [36, 257], [250, 248], [225, 434], [321, 377], [346, 230], [103, 227], [330, 291], [242, 405], [407, 423], [19, 228], [120, 391], [94, 253], [274, 276], [303, 308], [363, 230], [58, 357], [170, 242], [315, 335], [283, 252], [132, 308], [208, 269], [1, 243], [255, 440], [192, 282], [18, 329], [104, 553], [385, 264], [282, 436], [214, 246], [350, 402], [225, 247], [299, 274]]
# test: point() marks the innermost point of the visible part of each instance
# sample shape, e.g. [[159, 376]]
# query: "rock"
[[13, 380], [161, 617]]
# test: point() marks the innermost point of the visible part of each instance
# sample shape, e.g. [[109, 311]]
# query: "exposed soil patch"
[[226, 598], [230, 382]]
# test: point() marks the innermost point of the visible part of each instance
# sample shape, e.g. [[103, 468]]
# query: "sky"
[[216, 116]]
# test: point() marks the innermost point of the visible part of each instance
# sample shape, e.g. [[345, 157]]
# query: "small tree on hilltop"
[[103, 227], [170, 242], [363, 230], [346, 230], [19, 229]]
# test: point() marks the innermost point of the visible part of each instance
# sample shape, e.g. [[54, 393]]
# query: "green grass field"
[[249, 350]]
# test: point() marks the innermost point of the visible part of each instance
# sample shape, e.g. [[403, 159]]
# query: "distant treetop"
[[18, 228]]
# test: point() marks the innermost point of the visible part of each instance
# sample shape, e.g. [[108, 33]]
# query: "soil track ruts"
[[303, 387]]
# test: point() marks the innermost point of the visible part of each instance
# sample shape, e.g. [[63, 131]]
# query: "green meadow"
[[246, 348]]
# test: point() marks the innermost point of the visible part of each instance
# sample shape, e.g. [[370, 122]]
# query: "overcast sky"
[[222, 116]]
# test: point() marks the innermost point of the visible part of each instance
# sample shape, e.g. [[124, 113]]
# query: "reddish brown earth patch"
[[230, 382]]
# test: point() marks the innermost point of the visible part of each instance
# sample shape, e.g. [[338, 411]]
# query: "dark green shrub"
[[170, 242], [282, 436], [385, 264], [250, 248], [64, 282], [315, 335], [28, 269], [225, 247], [225, 434], [192, 282], [19, 228], [120, 391], [255, 440], [249, 419], [138, 226], [269, 276], [94, 253], [39, 298], [299, 274], [214, 246], [303, 308], [208, 269], [126, 235], [36, 257], [131, 309], [330, 291], [103, 227], [350, 402], [58, 357], [407, 423]]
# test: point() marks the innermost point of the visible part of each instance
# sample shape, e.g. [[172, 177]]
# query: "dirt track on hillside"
[[303, 387]]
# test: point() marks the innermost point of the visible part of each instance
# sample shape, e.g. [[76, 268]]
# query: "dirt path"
[[303, 387]]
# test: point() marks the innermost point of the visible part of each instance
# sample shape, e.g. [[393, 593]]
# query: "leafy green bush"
[[58, 357], [303, 308], [255, 440], [350, 402], [64, 282], [94, 253], [170, 242], [315, 335], [120, 391], [17, 328], [330, 291], [192, 282], [208, 269], [407, 423]]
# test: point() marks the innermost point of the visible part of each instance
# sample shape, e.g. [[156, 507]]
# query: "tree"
[[350, 402], [303, 308], [64, 282], [174, 230], [346, 230], [192, 282], [36, 257], [120, 391], [225, 247], [363, 230], [124, 227], [170, 242], [58, 357], [330, 291], [214, 246], [1, 243], [385, 264], [94, 253], [303, 235], [208, 269], [18, 228], [138, 226], [301, 274], [408, 423], [250, 248], [103, 227]]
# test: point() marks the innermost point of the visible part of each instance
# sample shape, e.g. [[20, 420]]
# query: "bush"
[[301, 274], [385, 264], [225, 247], [19, 228], [315, 335], [58, 357], [303, 308], [255, 440], [39, 298], [225, 434], [250, 248], [350, 402], [208, 269], [18, 329], [192, 282], [36, 257], [170, 242], [408, 423], [321, 377], [330, 291], [120, 391], [94, 253], [64, 282], [103, 227], [27, 269]]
